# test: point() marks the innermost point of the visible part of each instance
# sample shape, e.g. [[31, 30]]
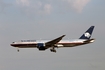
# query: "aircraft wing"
[[52, 42]]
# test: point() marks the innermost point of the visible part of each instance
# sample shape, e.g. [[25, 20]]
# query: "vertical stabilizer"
[[88, 33]]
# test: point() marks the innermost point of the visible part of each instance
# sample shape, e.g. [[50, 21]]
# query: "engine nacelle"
[[41, 46]]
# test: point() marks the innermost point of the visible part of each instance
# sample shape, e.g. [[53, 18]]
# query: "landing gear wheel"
[[53, 50], [18, 50]]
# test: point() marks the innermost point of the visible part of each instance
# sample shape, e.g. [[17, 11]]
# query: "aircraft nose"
[[12, 44]]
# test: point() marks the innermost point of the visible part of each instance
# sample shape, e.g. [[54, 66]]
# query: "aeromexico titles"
[[56, 43]]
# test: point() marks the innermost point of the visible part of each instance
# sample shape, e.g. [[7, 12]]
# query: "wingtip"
[[63, 35], [92, 26]]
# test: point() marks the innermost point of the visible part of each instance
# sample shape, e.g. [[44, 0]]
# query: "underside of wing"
[[53, 42]]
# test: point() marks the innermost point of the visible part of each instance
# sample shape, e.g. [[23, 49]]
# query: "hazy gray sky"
[[48, 19]]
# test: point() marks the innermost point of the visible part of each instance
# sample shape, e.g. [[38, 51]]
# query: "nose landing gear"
[[18, 49]]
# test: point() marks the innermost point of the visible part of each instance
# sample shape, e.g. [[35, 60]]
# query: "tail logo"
[[87, 35]]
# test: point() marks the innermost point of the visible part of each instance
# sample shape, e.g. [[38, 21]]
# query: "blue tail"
[[88, 33]]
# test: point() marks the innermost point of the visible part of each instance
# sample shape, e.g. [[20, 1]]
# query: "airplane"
[[56, 43]]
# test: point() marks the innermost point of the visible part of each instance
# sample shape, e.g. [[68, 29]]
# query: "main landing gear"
[[53, 49]]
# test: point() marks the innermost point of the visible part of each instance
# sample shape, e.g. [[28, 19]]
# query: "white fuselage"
[[62, 43]]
